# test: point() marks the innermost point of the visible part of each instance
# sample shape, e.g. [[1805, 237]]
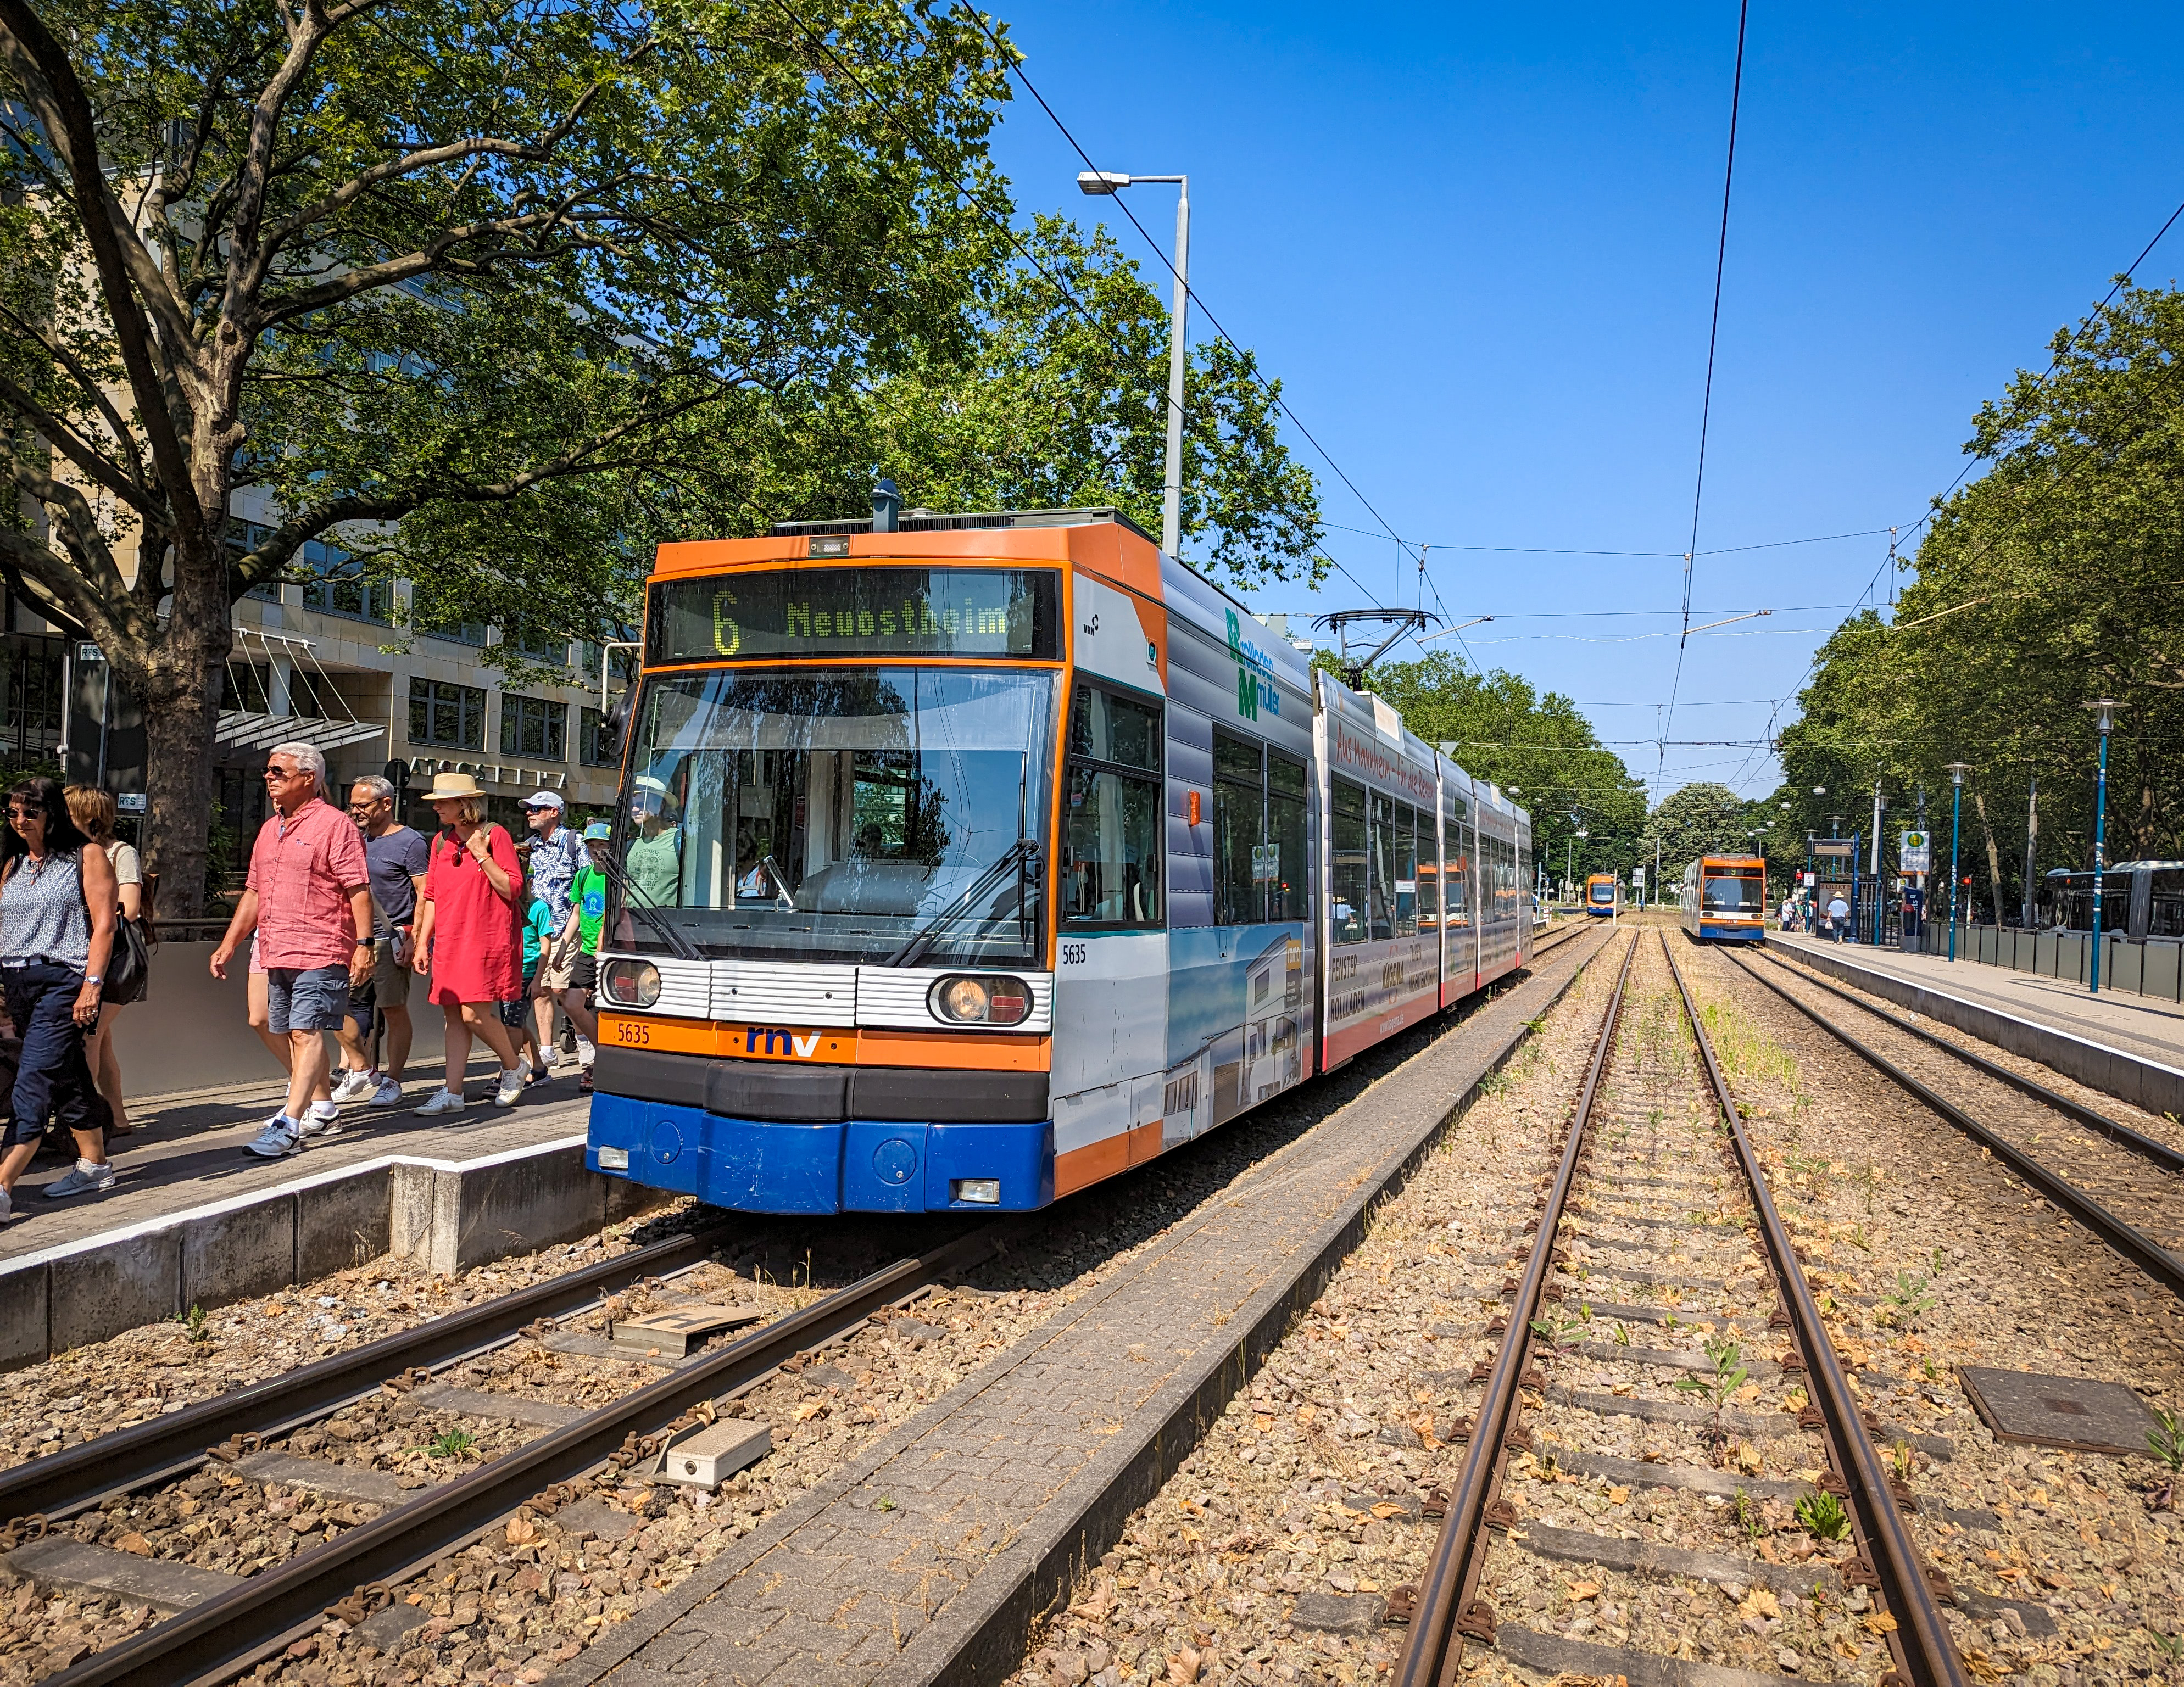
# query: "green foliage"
[[2165, 1440], [1908, 1299], [2047, 581], [1726, 1355], [1823, 1517], [453, 1445], [1537, 746], [195, 1325]]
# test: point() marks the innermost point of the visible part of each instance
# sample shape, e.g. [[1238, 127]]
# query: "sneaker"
[[323, 1120], [443, 1103], [354, 1086], [512, 1082], [388, 1094], [584, 1081], [86, 1178], [585, 1052], [281, 1137], [7, 1206]]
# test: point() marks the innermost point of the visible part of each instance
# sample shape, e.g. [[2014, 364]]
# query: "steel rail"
[[64, 1482], [2168, 1159], [1459, 1554], [1923, 1650], [230, 1629], [2124, 1237]]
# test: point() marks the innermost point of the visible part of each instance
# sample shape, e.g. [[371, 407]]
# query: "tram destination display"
[[990, 612]]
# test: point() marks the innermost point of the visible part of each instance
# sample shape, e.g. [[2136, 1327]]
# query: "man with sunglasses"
[[309, 901]]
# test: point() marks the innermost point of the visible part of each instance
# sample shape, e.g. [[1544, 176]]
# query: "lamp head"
[[1101, 181], [2104, 709]]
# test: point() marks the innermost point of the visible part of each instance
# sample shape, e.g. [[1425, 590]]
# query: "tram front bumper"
[[846, 1165]]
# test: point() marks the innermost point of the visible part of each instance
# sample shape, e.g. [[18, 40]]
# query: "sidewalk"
[[187, 1150], [2146, 1028]]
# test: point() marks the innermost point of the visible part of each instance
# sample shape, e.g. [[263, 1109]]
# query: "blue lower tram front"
[[760, 1137], [1739, 932]]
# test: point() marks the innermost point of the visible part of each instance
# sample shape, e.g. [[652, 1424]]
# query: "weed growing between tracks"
[[1925, 1255]]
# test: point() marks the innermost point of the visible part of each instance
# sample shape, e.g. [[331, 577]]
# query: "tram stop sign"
[[1914, 854]]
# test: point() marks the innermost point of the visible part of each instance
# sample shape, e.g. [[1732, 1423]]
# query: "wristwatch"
[[93, 978]]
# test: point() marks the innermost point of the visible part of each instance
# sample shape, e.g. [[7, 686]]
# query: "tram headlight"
[[632, 983], [985, 999]]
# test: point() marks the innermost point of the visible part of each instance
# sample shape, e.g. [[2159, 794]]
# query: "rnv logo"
[[759, 1040]]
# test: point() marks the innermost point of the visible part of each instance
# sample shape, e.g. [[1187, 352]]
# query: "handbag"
[[129, 966]]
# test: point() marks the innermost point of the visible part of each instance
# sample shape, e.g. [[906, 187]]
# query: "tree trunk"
[[1994, 857], [178, 678]]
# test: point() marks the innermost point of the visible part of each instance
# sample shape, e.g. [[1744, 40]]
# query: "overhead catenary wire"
[[1706, 404]]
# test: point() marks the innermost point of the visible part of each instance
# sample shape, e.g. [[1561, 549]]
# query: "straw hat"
[[446, 787]]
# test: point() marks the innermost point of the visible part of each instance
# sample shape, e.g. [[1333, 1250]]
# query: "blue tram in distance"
[[1725, 899], [1603, 895]]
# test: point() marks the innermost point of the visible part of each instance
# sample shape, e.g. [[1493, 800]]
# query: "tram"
[[1603, 895], [965, 863], [1725, 899]]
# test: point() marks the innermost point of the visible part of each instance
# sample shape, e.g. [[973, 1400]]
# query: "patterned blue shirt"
[[555, 856]]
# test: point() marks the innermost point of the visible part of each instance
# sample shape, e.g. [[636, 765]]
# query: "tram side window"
[[1285, 833], [1405, 900], [1346, 883], [1110, 860], [1239, 824], [1382, 903], [1456, 885]]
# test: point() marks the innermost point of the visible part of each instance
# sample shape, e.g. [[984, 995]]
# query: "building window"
[[338, 584], [588, 741], [540, 647], [531, 725], [462, 633], [441, 713]]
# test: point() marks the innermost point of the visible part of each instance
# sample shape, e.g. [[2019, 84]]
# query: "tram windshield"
[[1733, 890], [844, 814]]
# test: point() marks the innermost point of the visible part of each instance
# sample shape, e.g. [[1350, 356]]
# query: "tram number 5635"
[[1072, 954], [633, 1030]]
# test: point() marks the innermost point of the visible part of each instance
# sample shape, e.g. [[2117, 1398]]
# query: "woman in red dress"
[[466, 937]]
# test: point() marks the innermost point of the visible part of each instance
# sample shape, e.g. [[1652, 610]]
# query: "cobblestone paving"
[[895, 1562]]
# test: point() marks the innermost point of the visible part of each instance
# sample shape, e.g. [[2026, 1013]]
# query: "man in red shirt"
[[310, 902]]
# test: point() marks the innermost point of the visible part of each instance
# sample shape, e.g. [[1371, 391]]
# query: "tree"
[[476, 289], [1700, 819], [1539, 748], [1063, 403], [2049, 581]]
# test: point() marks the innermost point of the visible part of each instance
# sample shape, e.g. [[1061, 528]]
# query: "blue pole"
[[2100, 820], [1956, 815]]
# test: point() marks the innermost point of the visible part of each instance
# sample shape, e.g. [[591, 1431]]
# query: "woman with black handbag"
[[93, 811], [56, 907]]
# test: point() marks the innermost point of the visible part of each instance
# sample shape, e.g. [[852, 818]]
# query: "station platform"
[[2130, 1046], [187, 1151]]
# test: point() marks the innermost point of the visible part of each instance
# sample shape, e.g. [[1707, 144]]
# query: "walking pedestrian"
[[1838, 915], [56, 908], [1789, 911], [308, 903], [557, 856], [466, 939], [396, 859], [577, 949], [93, 811]]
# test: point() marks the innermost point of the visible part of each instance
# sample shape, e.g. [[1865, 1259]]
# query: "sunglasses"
[[14, 813]]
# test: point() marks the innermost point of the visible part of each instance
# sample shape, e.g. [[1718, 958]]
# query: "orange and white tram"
[[965, 864]]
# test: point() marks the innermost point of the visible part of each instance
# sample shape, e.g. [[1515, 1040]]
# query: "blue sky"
[[1477, 247]]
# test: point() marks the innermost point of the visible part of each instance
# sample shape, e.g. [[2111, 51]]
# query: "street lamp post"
[[2105, 708], [1956, 770], [1110, 181]]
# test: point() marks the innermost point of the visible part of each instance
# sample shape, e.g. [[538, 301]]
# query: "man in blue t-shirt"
[[396, 859], [556, 856]]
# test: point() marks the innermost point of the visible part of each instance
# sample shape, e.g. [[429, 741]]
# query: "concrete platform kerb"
[[450, 1214]]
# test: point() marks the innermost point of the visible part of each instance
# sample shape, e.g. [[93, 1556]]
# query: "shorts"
[[363, 999], [390, 981], [584, 973], [515, 1014], [555, 979], [305, 998]]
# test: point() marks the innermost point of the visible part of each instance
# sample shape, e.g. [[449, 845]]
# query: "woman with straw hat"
[[466, 937]]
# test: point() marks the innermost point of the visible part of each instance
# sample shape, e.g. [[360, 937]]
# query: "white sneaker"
[[511, 1083], [388, 1094], [7, 1206], [281, 1137], [354, 1086], [444, 1103], [585, 1052]]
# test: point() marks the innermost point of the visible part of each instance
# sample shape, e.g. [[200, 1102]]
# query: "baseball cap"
[[543, 800], [598, 832]]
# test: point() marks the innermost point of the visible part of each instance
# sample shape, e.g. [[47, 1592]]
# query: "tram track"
[[2115, 1181], [1654, 1099]]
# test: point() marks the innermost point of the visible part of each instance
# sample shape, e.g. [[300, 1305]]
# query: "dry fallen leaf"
[[1761, 1602], [1261, 1422], [1182, 1668], [809, 1410], [136, 1543], [1747, 1393], [1618, 1496], [1879, 1622], [1384, 1510], [1306, 1413], [1578, 1590]]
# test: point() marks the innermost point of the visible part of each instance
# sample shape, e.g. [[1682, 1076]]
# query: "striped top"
[[41, 912]]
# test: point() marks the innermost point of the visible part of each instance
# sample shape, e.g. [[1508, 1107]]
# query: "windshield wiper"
[[646, 910], [1020, 855]]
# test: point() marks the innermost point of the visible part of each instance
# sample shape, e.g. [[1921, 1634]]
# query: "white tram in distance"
[[967, 863]]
